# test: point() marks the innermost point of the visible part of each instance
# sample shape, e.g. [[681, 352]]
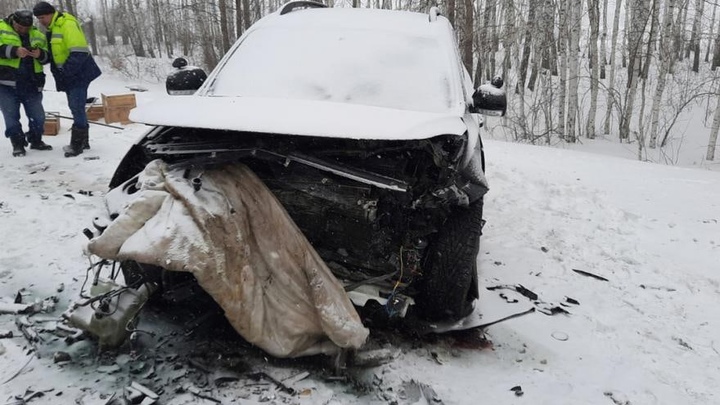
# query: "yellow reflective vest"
[[10, 41], [66, 36]]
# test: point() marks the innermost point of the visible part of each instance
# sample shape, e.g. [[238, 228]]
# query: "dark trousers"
[[77, 97], [10, 101]]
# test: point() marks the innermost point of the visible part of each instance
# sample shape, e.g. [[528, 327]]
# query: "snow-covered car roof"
[[358, 73]]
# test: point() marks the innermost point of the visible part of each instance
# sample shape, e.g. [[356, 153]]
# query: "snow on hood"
[[297, 117]]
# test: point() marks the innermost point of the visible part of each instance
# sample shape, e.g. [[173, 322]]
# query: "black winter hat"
[[23, 17], [43, 8]]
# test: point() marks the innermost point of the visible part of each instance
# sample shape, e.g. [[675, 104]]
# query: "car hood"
[[298, 117]]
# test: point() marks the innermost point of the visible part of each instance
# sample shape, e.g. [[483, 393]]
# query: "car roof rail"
[[291, 6], [434, 13]]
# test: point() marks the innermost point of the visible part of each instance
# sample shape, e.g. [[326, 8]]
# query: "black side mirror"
[[490, 98], [185, 79], [179, 63]]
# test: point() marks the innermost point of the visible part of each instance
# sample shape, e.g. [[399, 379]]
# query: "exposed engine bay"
[[370, 208]]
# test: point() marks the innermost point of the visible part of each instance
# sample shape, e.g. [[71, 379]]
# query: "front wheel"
[[449, 283]]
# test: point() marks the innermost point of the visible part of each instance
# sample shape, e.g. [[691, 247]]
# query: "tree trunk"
[[710, 36], [575, 21], [641, 120], [547, 37], [224, 31], [527, 42], [679, 29], [611, 86], [246, 13], [712, 142], [493, 45], [466, 41], [594, 60], [716, 53], [639, 19], [451, 12], [603, 41], [626, 39], [136, 38], [109, 33], [563, 42], [509, 37], [695, 38], [89, 28], [125, 28], [651, 45], [666, 59]]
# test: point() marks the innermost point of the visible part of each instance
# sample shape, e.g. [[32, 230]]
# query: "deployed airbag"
[[238, 241]]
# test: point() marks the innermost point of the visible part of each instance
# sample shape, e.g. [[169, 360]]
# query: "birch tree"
[[651, 45], [613, 52], [575, 21], [107, 22], [695, 37], [666, 60], [638, 21], [224, 31], [466, 39], [526, 48], [594, 60], [710, 36], [450, 11], [712, 142], [603, 40], [563, 41], [716, 53]]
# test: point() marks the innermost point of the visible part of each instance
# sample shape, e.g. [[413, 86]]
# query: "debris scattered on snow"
[[15, 308], [517, 390], [61, 357], [657, 287], [617, 398], [586, 273], [682, 343]]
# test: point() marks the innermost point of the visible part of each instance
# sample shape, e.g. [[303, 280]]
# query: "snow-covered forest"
[[630, 71]]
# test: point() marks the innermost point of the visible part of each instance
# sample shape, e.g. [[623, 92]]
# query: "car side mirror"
[[490, 98], [185, 80]]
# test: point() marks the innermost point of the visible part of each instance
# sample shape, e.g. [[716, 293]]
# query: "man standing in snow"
[[72, 66], [23, 51]]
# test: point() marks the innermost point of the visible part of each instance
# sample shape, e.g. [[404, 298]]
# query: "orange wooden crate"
[[117, 107], [52, 124]]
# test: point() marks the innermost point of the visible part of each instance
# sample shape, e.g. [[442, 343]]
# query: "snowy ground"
[[646, 335]]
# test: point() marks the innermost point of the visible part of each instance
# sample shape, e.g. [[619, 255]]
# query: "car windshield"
[[346, 65]]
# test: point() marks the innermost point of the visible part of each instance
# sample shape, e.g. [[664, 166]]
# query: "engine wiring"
[[391, 298]]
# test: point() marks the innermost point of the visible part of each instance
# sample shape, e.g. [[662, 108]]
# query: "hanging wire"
[[391, 298]]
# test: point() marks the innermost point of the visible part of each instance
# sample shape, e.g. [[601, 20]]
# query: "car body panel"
[[297, 117]]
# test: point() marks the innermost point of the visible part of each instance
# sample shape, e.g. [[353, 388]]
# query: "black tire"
[[449, 284]]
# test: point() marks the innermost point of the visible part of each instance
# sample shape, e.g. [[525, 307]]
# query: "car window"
[[357, 66]]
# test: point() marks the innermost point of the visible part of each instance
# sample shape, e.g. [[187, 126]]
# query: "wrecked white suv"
[[365, 126]]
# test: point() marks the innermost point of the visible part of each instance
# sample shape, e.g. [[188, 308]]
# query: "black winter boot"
[[36, 142], [18, 143], [78, 138]]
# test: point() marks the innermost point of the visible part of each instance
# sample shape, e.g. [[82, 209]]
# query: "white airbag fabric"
[[245, 251]]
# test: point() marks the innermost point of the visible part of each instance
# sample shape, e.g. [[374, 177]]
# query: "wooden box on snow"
[[95, 112], [52, 123], [117, 107]]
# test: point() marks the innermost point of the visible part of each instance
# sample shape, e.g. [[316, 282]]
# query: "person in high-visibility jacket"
[[72, 66], [23, 51]]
